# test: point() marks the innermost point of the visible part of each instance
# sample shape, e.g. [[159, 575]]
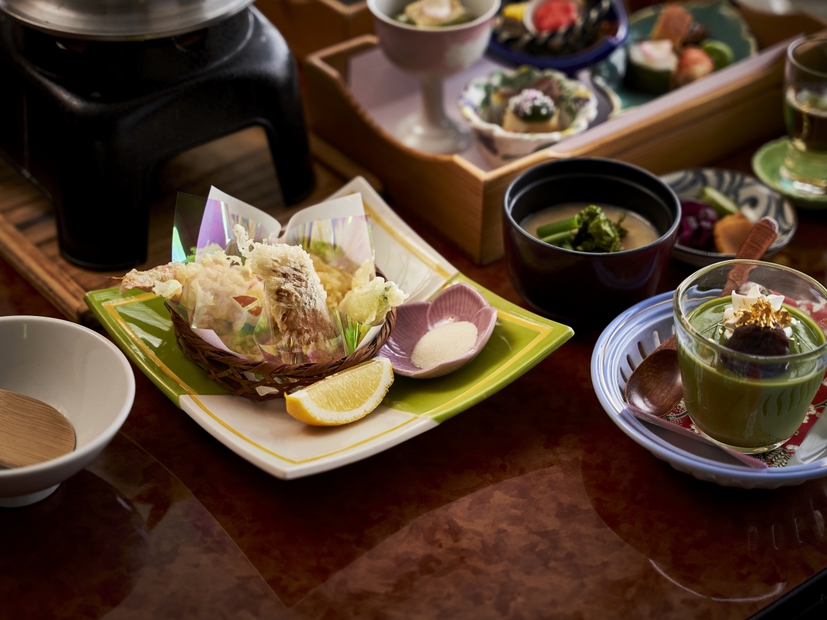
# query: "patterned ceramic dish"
[[603, 27], [484, 100], [722, 22], [459, 302], [632, 335], [755, 200]]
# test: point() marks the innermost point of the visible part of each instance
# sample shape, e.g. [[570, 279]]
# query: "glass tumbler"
[[749, 402], [804, 170]]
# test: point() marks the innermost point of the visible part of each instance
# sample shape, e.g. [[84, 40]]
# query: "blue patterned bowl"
[[755, 200], [602, 29]]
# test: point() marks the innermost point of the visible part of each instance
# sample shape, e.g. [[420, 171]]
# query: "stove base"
[[91, 129]]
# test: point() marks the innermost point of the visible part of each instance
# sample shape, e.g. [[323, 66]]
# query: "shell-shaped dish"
[[754, 199], [459, 302], [482, 104]]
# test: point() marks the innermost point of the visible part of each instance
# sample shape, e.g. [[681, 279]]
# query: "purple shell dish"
[[459, 302]]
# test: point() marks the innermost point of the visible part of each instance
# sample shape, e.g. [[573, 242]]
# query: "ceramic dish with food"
[[264, 434], [437, 337], [716, 33], [697, 237], [572, 34], [623, 343], [585, 282], [516, 113]]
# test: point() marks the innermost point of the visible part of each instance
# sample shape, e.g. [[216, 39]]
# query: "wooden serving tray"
[[310, 25], [239, 164], [702, 122]]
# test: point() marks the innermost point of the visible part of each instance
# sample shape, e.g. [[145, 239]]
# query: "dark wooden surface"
[[532, 504]]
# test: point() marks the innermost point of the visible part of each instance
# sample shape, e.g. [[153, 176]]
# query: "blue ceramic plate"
[[618, 350], [755, 200], [722, 22], [573, 62]]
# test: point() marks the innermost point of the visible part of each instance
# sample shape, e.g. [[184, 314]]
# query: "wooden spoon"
[[31, 431], [654, 387]]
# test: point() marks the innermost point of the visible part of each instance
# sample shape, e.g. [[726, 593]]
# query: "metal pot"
[[120, 20]]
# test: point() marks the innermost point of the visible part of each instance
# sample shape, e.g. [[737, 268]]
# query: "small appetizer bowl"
[[78, 372], [432, 50], [459, 302], [587, 288], [754, 199], [484, 101]]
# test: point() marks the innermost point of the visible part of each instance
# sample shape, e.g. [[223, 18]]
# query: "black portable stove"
[[90, 121]]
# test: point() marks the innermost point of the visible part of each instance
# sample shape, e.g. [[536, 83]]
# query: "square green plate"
[[264, 434]]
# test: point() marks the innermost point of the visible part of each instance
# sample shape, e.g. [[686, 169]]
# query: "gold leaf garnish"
[[761, 313]]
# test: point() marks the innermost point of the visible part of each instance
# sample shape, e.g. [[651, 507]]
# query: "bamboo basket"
[[243, 377]]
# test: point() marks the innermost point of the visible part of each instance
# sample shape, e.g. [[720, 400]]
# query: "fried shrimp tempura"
[[166, 280], [295, 293]]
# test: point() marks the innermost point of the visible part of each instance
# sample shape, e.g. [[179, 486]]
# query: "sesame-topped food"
[[531, 111]]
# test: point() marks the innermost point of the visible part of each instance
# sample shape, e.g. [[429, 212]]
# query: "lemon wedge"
[[344, 397]]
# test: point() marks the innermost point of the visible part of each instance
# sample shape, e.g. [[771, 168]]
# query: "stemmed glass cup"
[[431, 54]]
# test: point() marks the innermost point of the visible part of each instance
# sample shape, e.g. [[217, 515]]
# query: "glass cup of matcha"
[[751, 360]]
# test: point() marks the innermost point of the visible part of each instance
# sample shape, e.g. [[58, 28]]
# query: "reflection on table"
[[530, 504]]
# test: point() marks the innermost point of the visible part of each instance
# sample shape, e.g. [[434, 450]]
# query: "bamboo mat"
[[239, 164]]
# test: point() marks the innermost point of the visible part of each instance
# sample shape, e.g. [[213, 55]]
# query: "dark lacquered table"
[[531, 504]]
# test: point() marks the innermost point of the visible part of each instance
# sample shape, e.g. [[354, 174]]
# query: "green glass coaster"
[[767, 163]]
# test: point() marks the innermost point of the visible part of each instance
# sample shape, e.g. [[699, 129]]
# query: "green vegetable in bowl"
[[723, 204], [588, 231]]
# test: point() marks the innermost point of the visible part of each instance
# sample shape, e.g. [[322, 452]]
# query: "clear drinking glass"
[[750, 403], [804, 171]]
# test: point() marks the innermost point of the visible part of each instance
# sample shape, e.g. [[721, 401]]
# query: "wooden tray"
[[310, 25], [688, 127], [239, 164]]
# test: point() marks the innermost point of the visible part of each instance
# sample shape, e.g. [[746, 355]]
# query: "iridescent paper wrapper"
[[239, 319]]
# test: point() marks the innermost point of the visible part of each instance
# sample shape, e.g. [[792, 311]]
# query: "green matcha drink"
[[746, 401]]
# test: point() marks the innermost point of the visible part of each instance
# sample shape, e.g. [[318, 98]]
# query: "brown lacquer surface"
[[532, 504]]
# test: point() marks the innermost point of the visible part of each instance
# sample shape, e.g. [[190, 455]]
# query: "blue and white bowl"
[[755, 200]]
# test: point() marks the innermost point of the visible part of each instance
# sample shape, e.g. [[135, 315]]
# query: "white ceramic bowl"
[[459, 302], [78, 372], [480, 107]]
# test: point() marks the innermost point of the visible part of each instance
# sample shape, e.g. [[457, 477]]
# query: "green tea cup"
[[748, 401]]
